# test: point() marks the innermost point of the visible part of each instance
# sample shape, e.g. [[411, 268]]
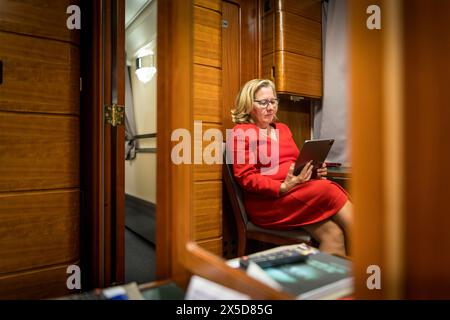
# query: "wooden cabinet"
[[292, 46]]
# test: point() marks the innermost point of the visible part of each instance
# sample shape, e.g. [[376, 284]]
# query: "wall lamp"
[[145, 68]]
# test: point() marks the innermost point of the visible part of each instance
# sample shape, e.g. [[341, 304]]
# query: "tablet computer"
[[315, 150]]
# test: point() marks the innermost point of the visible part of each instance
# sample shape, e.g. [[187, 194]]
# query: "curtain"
[[130, 124], [331, 117]]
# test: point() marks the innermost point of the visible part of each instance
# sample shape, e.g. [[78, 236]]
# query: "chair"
[[246, 230]]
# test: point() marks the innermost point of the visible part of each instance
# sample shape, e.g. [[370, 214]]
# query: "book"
[[321, 276], [128, 291]]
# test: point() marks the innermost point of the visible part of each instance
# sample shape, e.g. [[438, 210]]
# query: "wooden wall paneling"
[[231, 57], [207, 215], [297, 34], [40, 148], [39, 75], [207, 37], [207, 93], [215, 5], [297, 116], [213, 246], [206, 219], [298, 74], [36, 284], [204, 171], [38, 229], [44, 18], [38, 152], [311, 9]]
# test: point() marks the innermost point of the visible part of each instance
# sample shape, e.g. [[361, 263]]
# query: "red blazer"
[[306, 203]]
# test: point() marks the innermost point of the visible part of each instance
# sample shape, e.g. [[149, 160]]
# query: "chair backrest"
[[234, 190]]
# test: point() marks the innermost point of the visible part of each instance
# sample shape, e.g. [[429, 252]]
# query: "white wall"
[[140, 173]]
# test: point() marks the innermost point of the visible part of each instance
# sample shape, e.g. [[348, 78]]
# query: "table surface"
[[339, 172]]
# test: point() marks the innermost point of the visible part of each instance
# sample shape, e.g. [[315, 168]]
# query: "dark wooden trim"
[[91, 124], [107, 143], [118, 145], [236, 2], [163, 211]]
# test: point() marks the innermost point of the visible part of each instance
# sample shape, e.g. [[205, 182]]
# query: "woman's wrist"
[[283, 187]]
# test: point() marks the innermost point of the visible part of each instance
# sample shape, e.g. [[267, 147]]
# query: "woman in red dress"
[[274, 197]]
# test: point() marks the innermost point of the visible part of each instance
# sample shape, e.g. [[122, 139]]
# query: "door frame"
[[102, 146]]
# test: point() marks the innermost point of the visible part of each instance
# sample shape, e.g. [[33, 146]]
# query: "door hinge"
[[114, 115]]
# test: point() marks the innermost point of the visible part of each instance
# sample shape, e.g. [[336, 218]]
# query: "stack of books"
[[319, 277]]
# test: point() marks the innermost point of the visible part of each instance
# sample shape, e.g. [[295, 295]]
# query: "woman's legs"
[[344, 219], [329, 235]]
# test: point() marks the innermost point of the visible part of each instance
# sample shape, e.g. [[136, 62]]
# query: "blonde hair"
[[244, 100]]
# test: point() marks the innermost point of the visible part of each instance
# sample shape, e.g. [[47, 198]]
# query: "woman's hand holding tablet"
[[315, 151]]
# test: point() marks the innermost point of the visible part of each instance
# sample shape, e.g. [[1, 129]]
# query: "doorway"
[[140, 140]]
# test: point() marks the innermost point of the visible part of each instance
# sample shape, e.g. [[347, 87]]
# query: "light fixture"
[[145, 68]]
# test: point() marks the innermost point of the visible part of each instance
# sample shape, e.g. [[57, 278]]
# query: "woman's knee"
[[344, 216]]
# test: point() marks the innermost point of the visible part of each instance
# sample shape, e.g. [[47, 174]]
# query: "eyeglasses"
[[264, 104]]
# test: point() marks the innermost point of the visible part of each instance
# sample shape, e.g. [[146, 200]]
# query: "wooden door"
[[240, 51], [39, 149], [231, 69]]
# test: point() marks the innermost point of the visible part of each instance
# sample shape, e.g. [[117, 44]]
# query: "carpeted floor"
[[140, 259]]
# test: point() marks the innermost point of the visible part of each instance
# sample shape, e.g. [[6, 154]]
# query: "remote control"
[[274, 259]]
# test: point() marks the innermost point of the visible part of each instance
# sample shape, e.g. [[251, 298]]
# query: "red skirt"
[[307, 203]]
